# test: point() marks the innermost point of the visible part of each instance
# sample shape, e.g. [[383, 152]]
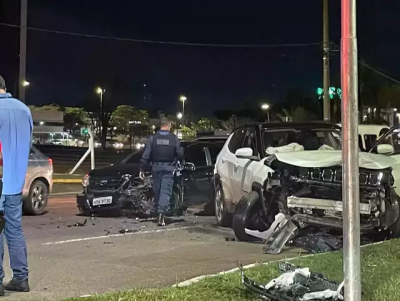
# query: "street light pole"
[[22, 50], [327, 104], [351, 192]]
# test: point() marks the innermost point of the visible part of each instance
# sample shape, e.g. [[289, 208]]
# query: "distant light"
[[183, 98], [265, 107], [100, 90], [114, 128], [76, 124], [25, 83], [41, 123], [179, 115], [144, 85], [138, 145], [395, 109]]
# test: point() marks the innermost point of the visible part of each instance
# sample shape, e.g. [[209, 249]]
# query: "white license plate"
[[102, 201]]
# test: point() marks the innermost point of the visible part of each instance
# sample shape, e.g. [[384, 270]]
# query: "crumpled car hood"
[[327, 158]]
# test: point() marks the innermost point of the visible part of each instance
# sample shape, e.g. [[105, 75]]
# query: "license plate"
[[102, 201]]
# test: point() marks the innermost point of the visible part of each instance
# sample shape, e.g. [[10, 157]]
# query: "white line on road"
[[114, 235], [65, 193]]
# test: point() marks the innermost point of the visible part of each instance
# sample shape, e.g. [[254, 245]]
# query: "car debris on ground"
[[295, 284]]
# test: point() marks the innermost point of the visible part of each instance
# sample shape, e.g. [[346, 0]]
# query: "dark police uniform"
[[163, 151]]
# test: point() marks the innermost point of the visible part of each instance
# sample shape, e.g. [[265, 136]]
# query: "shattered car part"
[[277, 225], [296, 284], [126, 195]]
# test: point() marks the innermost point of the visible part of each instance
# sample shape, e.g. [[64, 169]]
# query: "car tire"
[[223, 217], [242, 216], [36, 202]]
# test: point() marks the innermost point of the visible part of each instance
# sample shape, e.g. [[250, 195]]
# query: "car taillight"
[[85, 181], [50, 161]]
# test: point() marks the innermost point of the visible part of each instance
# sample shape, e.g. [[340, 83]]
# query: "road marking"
[[68, 193], [114, 235]]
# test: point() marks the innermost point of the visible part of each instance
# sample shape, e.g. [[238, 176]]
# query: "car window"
[[214, 152], [251, 141], [309, 138], [370, 141], [236, 141], [133, 158], [196, 155]]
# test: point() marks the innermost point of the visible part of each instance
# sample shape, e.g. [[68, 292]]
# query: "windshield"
[[307, 138], [133, 158]]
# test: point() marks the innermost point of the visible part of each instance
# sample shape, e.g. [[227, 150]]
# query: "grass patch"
[[380, 279]]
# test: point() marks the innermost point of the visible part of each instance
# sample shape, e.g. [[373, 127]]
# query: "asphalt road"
[[68, 260]]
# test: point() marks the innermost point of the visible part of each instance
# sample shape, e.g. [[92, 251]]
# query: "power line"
[[378, 72], [371, 68], [160, 42]]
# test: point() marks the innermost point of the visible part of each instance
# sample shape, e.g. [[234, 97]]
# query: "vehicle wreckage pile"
[[296, 284]]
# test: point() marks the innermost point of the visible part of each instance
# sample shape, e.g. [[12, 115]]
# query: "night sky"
[[64, 68]]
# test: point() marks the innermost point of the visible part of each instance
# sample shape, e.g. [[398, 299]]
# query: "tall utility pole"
[[327, 103], [351, 192], [22, 50]]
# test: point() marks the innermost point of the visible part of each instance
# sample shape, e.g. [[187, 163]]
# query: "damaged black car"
[[117, 189]]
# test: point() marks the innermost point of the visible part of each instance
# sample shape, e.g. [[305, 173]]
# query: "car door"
[[226, 164], [241, 176], [392, 137], [197, 183]]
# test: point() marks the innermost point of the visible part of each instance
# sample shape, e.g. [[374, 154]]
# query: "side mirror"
[[385, 149], [189, 166], [244, 153]]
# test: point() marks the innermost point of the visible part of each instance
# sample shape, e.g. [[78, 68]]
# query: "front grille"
[[334, 175], [104, 183]]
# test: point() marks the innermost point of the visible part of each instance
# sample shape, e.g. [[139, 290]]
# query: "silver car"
[[38, 182]]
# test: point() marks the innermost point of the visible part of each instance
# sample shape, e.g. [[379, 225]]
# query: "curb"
[[67, 181]]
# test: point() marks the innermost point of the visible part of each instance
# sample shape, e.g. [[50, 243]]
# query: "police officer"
[[163, 151]]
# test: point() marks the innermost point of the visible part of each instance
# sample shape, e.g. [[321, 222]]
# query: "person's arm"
[[146, 154]]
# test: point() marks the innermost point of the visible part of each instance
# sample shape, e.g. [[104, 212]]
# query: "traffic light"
[[84, 131], [332, 92]]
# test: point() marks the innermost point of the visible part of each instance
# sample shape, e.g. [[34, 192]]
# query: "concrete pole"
[[351, 190], [327, 102], [22, 51]]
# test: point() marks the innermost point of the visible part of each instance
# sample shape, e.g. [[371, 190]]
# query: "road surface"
[[68, 260]]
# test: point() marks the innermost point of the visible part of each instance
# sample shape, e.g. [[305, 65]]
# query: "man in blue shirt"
[[15, 136], [163, 150]]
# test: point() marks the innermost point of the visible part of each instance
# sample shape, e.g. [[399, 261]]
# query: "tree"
[[100, 114], [204, 124], [188, 132], [121, 117], [296, 114], [234, 121], [74, 118]]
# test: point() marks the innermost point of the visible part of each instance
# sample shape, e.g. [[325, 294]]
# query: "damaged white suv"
[[270, 173]]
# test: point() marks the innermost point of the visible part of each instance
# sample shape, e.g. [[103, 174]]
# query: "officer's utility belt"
[[164, 163]]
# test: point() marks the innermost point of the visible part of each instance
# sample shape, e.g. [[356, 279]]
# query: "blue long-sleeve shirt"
[[15, 136], [146, 157]]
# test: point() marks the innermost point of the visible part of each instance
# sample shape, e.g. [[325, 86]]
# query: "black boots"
[[160, 220], [17, 286]]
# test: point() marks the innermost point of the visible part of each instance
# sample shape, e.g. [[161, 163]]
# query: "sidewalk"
[[64, 178]]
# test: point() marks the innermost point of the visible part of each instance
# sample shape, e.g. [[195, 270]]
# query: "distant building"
[[48, 128]]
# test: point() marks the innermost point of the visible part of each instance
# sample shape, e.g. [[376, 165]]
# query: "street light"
[[25, 83], [183, 99], [265, 107], [179, 115], [100, 91]]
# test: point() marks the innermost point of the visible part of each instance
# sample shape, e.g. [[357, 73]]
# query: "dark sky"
[[64, 68]]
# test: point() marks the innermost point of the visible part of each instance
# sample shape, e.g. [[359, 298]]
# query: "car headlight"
[[85, 181]]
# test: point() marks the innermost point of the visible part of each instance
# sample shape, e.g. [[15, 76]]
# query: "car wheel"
[[223, 217], [243, 215], [36, 202]]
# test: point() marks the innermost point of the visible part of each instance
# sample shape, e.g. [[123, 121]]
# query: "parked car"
[[38, 182], [116, 188], [266, 170]]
